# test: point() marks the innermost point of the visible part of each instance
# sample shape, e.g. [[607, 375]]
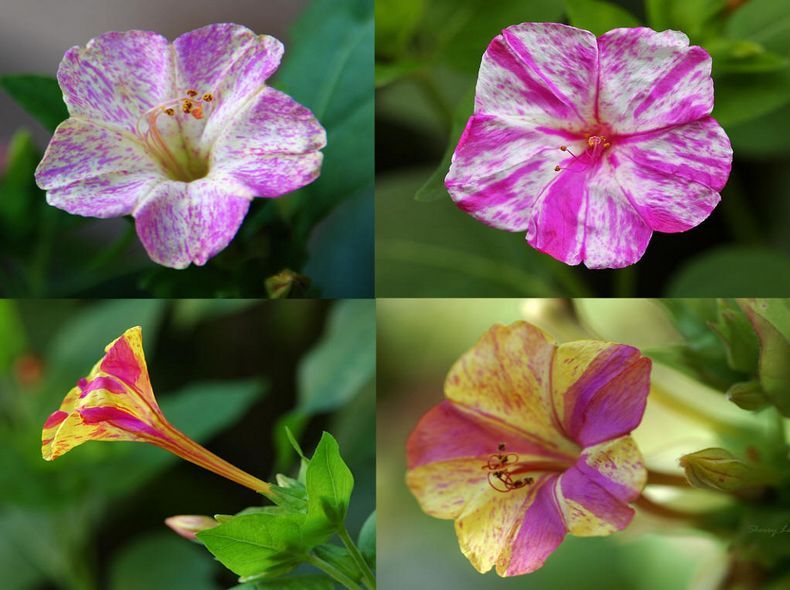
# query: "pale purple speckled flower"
[[180, 136], [590, 145]]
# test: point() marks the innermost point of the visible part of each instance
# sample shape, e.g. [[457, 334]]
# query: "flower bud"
[[715, 469], [748, 395], [188, 525]]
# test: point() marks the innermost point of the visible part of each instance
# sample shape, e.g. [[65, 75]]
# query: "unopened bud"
[[285, 283], [715, 469], [188, 525], [748, 395]]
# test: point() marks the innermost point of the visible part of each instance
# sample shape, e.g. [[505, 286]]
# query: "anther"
[[169, 112], [192, 93], [501, 446], [186, 106], [208, 97], [557, 168]]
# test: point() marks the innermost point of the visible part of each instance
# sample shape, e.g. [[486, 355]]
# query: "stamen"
[[557, 168], [192, 93], [500, 472], [186, 106], [169, 111], [208, 97]]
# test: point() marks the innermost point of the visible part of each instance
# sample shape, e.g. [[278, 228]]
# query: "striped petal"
[[272, 147], [117, 77], [500, 167], [505, 376], [542, 72], [114, 402], [599, 389], [182, 223], [673, 176], [651, 80]]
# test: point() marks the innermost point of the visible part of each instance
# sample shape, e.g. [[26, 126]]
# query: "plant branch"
[[367, 574], [332, 572]]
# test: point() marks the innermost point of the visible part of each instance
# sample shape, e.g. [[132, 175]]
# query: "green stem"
[[332, 572], [367, 574], [666, 479]]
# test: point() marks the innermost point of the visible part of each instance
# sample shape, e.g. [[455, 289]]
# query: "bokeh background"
[[230, 374], [427, 56], [419, 340], [323, 232]]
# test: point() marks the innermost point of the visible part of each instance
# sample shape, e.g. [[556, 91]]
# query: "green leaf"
[[330, 70], [743, 97], [329, 486], [161, 562], [434, 188], [738, 337], [18, 190], [689, 16], [38, 95], [251, 544], [598, 17], [340, 558], [290, 583], [13, 338], [766, 22], [343, 362], [763, 137], [367, 540], [744, 57], [733, 272]]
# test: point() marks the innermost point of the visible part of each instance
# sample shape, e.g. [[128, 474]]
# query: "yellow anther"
[[208, 97], [192, 93], [186, 106], [169, 112]]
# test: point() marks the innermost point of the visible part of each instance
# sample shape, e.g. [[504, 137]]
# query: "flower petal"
[[272, 147], [540, 71], [505, 376], [615, 234], [125, 360], [487, 525], [500, 167], [117, 77], [674, 176], [443, 489], [650, 80], [541, 532], [558, 218], [228, 61], [599, 389], [89, 169], [181, 222], [617, 466], [588, 509]]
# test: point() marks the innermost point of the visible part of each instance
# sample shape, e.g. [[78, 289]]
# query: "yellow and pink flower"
[[532, 443], [115, 402]]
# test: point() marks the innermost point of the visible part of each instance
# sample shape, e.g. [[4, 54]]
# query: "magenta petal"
[[184, 223], [541, 532], [119, 419], [557, 224], [609, 398], [591, 509]]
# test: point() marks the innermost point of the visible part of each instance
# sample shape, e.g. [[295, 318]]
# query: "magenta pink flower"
[[532, 443], [590, 145], [180, 136]]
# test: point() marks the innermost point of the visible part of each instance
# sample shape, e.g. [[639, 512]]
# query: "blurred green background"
[[323, 232], [419, 340], [229, 374], [427, 56]]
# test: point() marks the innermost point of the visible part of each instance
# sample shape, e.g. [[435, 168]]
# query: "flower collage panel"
[[386, 294]]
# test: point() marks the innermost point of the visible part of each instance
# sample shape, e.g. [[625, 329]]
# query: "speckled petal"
[[500, 167], [674, 176], [89, 169], [540, 71], [228, 61], [182, 223], [615, 234], [117, 77], [272, 147], [599, 389], [651, 80], [506, 377], [486, 527], [617, 466], [541, 532]]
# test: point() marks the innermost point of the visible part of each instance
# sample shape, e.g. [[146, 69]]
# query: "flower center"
[[165, 128], [594, 147], [507, 472]]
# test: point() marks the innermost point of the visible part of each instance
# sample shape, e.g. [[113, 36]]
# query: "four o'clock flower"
[[532, 443], [116, 402], [180, 136], [591, 144]]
